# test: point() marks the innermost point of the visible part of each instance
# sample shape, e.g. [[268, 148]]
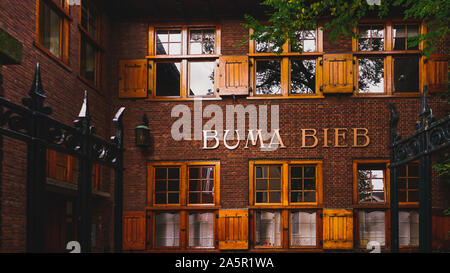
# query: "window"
[[372, 227], [201, 184], [183, 199], [167, 185], [408, 228], [183, 183], [185, 61], [285, 182], [408, 183], [289, 74], [52, 23], [167, 229], [387, 61], [371, 199], [303, 228], [268, 229], [371, 183], [268, 184], [285, 195], [303, 183], [64, 168], [90, 47], [201, 229]]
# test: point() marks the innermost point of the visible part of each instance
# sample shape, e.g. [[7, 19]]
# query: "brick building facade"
[[130, 33]]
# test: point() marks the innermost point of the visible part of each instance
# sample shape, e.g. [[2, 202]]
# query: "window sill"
[[183, 99], [52, 57], [403, 95], [289, 54], [181, 207], [262, 97], [176, 57]]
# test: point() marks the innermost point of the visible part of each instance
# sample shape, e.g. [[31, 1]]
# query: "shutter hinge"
[[321, 242], [149, 91], [354, 88], [321, 88], [321, 62], [353, 61], [218, 90], [217, 216], [321, 215], [250, 63]]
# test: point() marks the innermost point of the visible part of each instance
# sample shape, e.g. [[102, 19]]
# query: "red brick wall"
[[331, 112], [64, 91]]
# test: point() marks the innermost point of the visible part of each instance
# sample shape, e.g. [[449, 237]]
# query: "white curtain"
[[268, 228], [201, 230], [408, 228], [303, 228], [167, 229], [372, 227]]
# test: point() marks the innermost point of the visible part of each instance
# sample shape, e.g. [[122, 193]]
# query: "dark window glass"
[[371, 75], [167, 185], [49, 29], [89, 19], [201, 41], [406, 74], [88, 60], [408, 183], [201, 185], [403, 35], [303, 76], [201, 78], [168, 42], [168, 79], [268, 77], [371, 38], [303, 184], [268, 184]]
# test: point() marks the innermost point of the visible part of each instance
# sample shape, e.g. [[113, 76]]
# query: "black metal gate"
[[33, 125], [430, 136]]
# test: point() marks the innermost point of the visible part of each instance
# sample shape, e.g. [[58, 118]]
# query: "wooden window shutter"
[[133, 230], [337, 73], [233, 75], [337, 229], [436, 71], [133, 76], [232, 229]]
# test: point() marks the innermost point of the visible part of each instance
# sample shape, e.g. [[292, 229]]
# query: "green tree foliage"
[[287, 17]]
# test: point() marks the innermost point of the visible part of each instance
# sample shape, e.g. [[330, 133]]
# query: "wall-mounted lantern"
[[142, 133]]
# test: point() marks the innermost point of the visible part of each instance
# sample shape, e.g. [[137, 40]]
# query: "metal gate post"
[[118, 181], [36, 167], [85, 176]]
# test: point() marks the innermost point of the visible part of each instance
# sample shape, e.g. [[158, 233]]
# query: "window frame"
[[285, 59], [184, 58], [388, 54], [63, 13], [285, 184], [95, 42], [387, 179], [184, 191]]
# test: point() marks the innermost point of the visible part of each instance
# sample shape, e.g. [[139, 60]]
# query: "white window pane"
[[372, 227], [309, 45], [201, 232], [268, 229], [408, 228], [201, 78], [303, 228], [167, 231]]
